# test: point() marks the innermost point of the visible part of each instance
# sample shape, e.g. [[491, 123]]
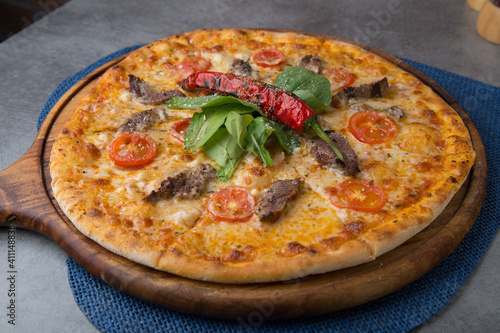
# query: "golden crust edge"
[[388, 236], [350, 254]]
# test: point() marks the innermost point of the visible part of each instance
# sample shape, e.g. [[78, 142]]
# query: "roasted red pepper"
[[277, 104]]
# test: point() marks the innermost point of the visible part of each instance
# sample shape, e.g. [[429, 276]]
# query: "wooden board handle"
[[23, 197]]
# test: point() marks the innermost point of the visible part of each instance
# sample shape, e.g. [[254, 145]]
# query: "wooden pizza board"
[[26, 200]]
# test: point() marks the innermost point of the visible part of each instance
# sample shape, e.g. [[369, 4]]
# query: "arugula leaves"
[[252, 134], [227, 126], [190, 103], [312, 88], [206, 123], [225, 151]]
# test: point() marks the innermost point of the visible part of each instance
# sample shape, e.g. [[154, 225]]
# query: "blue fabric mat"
[[112, 311]]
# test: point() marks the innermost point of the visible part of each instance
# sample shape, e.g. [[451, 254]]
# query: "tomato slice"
[[339, 78], [191, 65], [132, 149], [358, 194], [232, 204], [269, 58], [198, 64], [178, 129], [372, 127]]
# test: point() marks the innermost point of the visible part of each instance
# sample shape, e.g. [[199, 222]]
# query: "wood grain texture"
[[488, 22], [25, 198]]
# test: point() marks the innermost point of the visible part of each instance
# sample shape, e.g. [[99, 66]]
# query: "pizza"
[[246, 156]]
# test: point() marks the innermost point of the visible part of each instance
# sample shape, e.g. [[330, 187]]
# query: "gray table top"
[[34, 61]]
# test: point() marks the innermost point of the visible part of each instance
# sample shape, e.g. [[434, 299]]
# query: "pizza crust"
[[281, 269]]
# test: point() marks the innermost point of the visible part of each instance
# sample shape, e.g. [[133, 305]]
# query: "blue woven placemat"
[[111, 311]]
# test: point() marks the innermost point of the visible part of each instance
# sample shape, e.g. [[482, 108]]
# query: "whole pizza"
[[242, 156]]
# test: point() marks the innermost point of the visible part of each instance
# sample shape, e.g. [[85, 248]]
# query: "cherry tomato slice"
[[269, 58], [339, 78], [198, 64], [372, 127], [191, 65], [358, 195], [132, 149], [178, 129], [232, 204]]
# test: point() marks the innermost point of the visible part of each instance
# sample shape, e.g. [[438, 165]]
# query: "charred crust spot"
[[127, 223], [424, 167], [143, 222], [257, 171], [100, 182], [355, 227], [217, 48], [246, 254], [187, 157], [332, 243], [386, 235], [233, 255], [176, 251], [113, 221], [76, 133], [295, 248], [65, 131], [430, 114], [94, 213], [453, 180], [92, 150]]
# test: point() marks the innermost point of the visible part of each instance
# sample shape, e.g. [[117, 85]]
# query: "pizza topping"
[[273, 203], [188, 184], [231, 204], [339, 78], [326, 157], [311, 62], [377, 89], [132, 149], [269, 58], [142, 90], [358, 194], [372, 127], [240, 67], [395, 112], [312, 88], [276, 103], [226, 128], [179, 128], [194, 64], [143, 120]]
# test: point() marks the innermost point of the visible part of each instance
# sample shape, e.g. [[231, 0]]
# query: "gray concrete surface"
[[37, 59]]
